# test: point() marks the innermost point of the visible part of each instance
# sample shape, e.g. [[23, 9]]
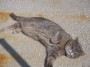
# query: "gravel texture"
[[72, 15]]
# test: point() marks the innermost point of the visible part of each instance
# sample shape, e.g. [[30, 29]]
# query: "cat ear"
[[75, 42], [82, 54], [56, 39], [76, 39]]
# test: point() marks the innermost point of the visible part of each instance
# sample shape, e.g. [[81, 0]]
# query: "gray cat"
[[56, 41]]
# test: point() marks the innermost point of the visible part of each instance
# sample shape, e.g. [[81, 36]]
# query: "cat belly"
[[30, 32]]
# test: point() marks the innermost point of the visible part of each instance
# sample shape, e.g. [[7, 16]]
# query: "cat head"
[[73, 49]]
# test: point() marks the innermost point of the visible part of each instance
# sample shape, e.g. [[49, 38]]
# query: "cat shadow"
[[14, 54]]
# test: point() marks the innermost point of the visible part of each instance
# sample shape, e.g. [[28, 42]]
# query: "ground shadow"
[[14, 54]]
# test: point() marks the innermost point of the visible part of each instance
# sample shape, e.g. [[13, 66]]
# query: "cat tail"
[[14, 17], [11, 27]]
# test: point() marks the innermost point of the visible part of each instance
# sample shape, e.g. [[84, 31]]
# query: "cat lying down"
[[55, 40]]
